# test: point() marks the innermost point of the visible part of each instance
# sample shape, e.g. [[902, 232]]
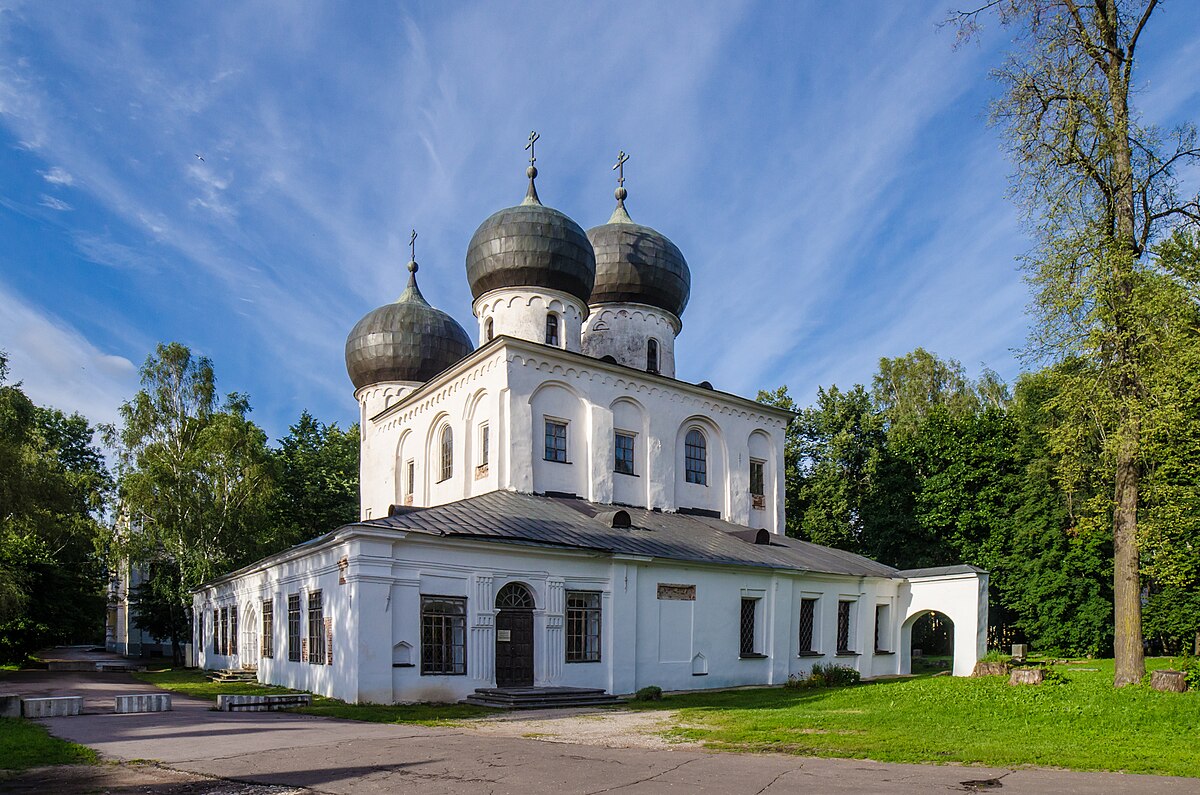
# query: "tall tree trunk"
[[1127, 597]]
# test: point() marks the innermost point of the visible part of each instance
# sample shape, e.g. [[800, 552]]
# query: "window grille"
[[624, 454], [233, 630], [443, 635], [294, 627], [556, 441], [808, 612], [747, 626], [552, 330], [843, 631], [447, 453], [268, 629], [696, 457], [583, 626], [652, 356], [316, 629]]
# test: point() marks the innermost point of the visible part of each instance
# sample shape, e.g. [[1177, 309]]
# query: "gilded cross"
[[620, 168], [533, 137], [412, 246]]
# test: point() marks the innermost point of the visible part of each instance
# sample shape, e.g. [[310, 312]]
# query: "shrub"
[[996, 656], [824, 676], [649, 693], [1191, 670]]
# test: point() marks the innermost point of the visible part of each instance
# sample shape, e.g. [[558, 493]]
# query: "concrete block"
[[10, 705], [263, 703], [54, 707], [143, 702]]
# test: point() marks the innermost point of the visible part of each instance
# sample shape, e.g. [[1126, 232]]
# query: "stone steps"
[[541, 697], [226, 675]]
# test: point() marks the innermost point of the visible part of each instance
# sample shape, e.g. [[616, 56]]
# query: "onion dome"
[[531, 245], [636, 264], [407, 340]]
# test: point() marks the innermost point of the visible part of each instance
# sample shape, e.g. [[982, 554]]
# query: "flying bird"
[[200, 157]]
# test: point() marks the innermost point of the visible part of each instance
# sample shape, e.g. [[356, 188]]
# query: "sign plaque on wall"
[[504, 635], [679, 593]]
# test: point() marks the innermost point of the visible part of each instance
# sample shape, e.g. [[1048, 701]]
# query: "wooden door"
[[514, 648]]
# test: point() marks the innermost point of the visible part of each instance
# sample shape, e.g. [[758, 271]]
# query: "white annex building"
[[555, 509]]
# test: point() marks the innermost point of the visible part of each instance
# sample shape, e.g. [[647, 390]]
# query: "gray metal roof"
[[942, 571], [574, 523]]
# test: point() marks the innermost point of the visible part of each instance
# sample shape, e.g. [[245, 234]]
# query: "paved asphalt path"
[[334, 756]]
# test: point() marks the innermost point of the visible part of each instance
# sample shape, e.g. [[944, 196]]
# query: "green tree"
[[317, 470], [195, 486], [53, 491], [1100, 189], [906, 389]]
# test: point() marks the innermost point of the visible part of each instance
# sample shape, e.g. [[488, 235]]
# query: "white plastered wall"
[[962, 598], [622, 331], [521, 312]]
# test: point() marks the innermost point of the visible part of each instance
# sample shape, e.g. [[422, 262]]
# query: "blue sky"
[[827, 170]]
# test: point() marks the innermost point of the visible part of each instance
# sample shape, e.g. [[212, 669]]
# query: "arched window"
[[695, 449], [552, 329], [488, 330], [447, 453], [652, 356], [514, 596]]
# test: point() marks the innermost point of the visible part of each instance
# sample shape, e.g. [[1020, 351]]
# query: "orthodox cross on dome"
[[622, 158], [620, 215], [412, 247], [533, 137], [531, 196]]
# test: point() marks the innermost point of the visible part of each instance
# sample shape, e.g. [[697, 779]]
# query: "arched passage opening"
[[928, 639], [248, 643], [514, 636]]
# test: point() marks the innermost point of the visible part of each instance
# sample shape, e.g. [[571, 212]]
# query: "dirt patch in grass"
[[609, 728]]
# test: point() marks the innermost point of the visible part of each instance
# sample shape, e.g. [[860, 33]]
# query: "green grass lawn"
[[1084, 724], [194, 682], [25, 744]]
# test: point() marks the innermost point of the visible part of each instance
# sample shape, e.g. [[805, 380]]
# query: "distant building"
[[555, 508]]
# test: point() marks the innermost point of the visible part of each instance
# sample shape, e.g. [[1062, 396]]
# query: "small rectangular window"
[[268, 629], [624, 453], [316, 629], [882, 618], [294, 627], [749, 607], [484, 444], [756, 478], [552, 330], [216, 638], [410, 481], [556, 441], [583, 626], [224, 630], [443, 636], [808, 612], [843, 627]]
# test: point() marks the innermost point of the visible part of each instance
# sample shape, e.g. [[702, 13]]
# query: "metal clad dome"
[[531, 245], [636, 264], [407, 340]]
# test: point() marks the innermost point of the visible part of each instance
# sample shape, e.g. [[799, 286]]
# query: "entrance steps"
[[234, 675], [541, 697]]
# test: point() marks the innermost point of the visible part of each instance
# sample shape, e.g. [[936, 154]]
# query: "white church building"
[[554, 508]]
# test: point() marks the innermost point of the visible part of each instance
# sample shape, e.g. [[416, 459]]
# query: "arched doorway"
[[514, 636], [929, 637], [248, 643]]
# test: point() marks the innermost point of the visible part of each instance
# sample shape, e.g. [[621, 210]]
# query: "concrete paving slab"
[[334, 756]]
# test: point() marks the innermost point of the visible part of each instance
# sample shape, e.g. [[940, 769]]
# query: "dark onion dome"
[[636, 264], [407, 340], [531, 245]]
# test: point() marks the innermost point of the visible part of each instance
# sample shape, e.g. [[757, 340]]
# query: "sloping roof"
[[941, 571], [574, 523]]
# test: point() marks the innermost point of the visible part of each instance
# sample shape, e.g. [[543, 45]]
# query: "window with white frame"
[[749, 634], [485, 444], [758, 491], [808, 626], [552, 329], [443, 635], [652, 356], [293, 603], [410, 480], [883, 619], [316, 628], [268, 629]]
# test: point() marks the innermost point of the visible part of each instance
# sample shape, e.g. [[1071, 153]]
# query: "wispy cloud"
[[55, 204], [58, 176]]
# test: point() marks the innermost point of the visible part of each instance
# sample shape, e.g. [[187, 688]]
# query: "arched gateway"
[[514, 636]]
